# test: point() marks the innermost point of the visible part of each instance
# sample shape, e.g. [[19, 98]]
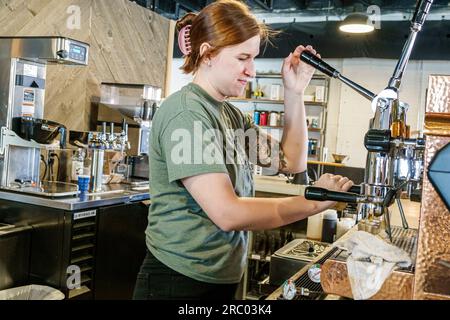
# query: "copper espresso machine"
[[394, 163]]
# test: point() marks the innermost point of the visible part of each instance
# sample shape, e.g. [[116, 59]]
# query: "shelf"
[[270, 127], [321, 163], [278, 76], [257, 100], [281, 127], [307, 103]]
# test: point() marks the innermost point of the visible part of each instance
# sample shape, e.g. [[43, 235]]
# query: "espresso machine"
[[23, 64], [394, 160]]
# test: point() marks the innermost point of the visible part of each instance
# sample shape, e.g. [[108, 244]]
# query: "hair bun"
[[186, 20]]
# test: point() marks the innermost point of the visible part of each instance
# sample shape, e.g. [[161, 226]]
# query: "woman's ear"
[[204, 48]]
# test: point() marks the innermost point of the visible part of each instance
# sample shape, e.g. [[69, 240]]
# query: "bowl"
[[40, 130], [339, 158]]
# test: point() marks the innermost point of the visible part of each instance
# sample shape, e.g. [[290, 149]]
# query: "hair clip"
[[184, 40]]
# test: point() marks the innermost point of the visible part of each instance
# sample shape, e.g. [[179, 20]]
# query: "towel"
[[370, 262]]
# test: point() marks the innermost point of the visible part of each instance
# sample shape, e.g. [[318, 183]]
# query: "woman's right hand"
[[334, 183]]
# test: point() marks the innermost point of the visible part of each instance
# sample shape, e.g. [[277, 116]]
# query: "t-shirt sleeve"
[[191, 146]]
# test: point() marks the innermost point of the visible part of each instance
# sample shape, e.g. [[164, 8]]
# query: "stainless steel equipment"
[[394, 161], [97, 143], [23, 62], [288, 260], [137, 102]]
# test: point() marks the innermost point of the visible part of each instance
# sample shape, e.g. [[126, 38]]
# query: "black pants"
[[156, 281]]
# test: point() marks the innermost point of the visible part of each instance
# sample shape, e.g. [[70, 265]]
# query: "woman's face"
[[233, 67]]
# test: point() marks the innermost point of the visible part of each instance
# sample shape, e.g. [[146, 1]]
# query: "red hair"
[[221, 24]]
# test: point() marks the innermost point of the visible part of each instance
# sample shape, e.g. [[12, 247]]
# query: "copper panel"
[[438, 95], [334, 280], [434, 235], [437, 124]]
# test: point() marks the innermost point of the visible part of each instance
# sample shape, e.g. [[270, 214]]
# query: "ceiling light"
[[356, 23]]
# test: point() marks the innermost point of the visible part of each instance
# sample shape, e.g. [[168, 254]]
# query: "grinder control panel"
[[77, 52]]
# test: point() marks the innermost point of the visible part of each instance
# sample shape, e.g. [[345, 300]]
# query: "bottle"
[[263, 118], [256, 116], [77, 164], [274, 119], [248, 90], [313, 147], [329, 225]]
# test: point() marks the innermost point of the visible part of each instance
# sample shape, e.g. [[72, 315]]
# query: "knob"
[[377, 140], [62, 54]]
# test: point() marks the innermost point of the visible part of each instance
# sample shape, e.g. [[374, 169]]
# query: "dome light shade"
[[356, 23]]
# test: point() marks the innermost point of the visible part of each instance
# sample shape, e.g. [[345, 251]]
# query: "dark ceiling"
[[173, 9], [433, 42]]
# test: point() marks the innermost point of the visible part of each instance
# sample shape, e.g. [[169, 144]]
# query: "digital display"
[[77, 52]]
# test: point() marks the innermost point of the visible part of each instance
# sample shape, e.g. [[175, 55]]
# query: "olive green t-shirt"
[[190, 134]]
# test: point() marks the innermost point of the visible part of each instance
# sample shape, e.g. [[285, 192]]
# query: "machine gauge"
[[314, 273], [289, 290]]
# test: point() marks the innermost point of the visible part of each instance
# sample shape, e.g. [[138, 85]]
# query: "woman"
[[201, 178]]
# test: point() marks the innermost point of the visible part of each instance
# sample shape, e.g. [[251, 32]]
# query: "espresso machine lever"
[[324, 67]]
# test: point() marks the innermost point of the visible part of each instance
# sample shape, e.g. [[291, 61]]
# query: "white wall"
[[348, 112]]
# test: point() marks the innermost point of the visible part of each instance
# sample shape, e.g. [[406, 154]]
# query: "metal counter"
[[112, 194]]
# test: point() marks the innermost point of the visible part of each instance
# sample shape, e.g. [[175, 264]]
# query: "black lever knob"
[[62, 54], [377, 140], [421, 12], [321, 194], [319, 64]]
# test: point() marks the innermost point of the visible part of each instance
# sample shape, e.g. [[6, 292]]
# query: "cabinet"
[[263, 99], [262, 244], [120, 249], [105, 245]]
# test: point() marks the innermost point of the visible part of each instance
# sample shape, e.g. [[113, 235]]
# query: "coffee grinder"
[[23, 63], [138, 104]]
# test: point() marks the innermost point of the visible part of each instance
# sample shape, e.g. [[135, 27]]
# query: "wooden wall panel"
[[128, 44]]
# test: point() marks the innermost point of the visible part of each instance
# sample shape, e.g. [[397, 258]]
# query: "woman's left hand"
[[296, 73]]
